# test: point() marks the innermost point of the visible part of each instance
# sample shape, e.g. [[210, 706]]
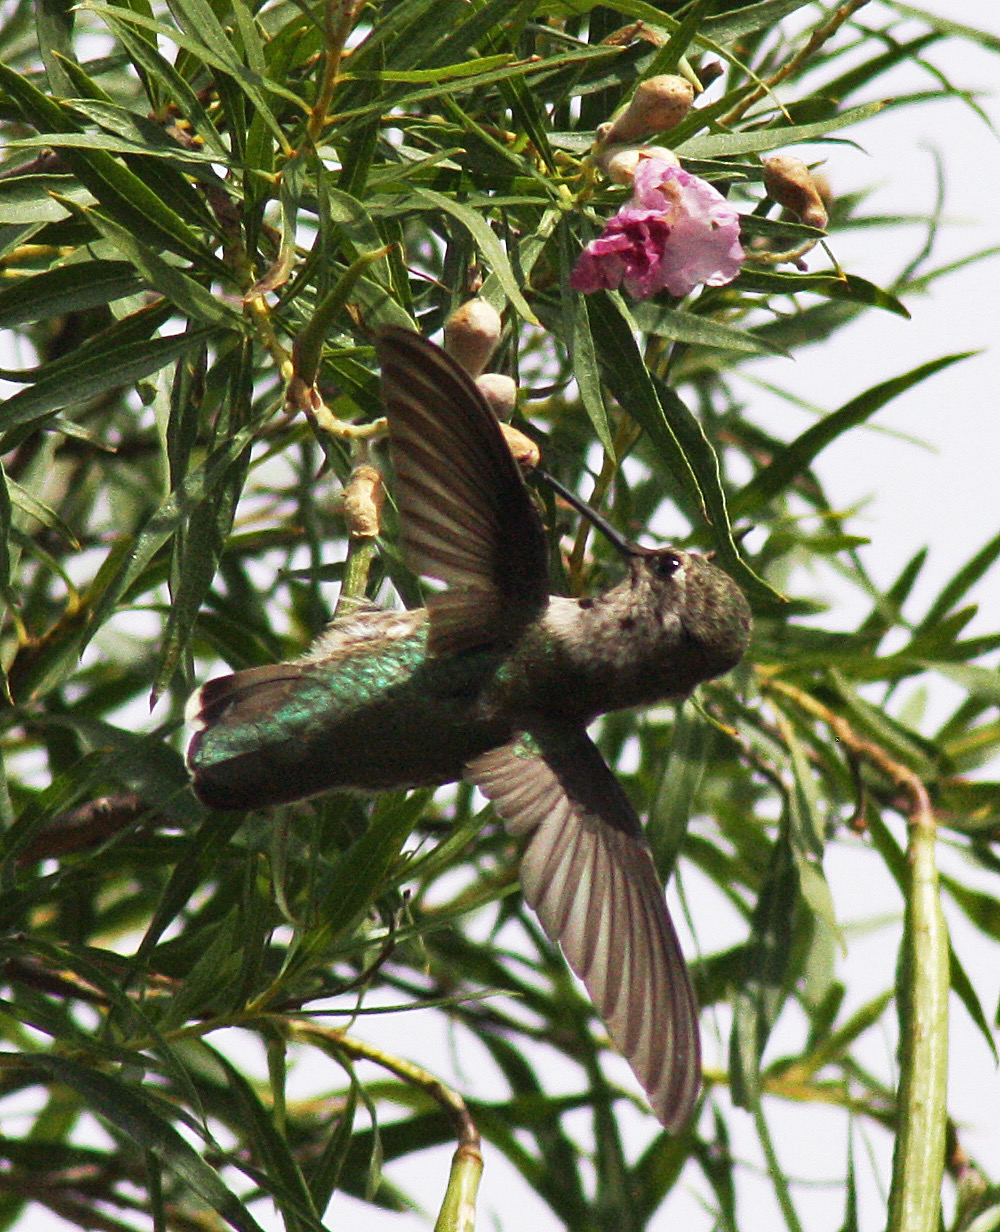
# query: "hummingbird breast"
[[675, 621]]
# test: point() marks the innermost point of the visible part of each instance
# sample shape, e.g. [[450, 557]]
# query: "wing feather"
[[467, 518], [588, 874]]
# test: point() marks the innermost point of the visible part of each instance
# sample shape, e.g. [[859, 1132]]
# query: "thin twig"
[[819, 36]]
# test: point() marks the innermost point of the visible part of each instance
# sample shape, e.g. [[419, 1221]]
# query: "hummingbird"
[[495, 681]]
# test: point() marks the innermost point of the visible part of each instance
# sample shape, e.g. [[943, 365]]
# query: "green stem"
[[923, 983], [775, 1171], [458, 1209], [922, 994], [360, 554]]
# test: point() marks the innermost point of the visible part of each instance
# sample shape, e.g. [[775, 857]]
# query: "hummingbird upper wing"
[[467, 517], [587, 872]]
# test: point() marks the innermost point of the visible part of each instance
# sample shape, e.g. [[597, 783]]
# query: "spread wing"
[[467, 517], [587, 872]]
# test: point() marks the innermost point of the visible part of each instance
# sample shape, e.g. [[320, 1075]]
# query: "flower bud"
[[471, 334], [500, 392], [363, 497], [659, 103], [619, 162], [789, 181], [525, 451]]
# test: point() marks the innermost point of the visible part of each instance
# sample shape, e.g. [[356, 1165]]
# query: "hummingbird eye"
[[666, 564]]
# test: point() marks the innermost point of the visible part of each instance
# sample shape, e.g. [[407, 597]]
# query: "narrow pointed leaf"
[[133, 1114], [800, 454]]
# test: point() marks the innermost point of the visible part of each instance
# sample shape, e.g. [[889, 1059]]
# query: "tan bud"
[[659, 103], [500, 392], [524, 449], [471, 334], [619, 162], [363, 498], [711, 70], [789, 181]]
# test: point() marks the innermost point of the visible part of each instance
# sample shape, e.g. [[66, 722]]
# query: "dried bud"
[[499, 391], [711, 70], [471, 334], [363, 498], [524, 449], [659, 103], [620, 161], [789, 181]]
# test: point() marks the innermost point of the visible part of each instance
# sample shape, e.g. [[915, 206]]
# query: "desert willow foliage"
[[208, 216]]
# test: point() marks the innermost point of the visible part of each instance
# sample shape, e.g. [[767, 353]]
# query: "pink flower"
[[676, 232]]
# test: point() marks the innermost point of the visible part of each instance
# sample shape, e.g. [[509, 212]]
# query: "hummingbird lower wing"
[[467, 518], [588, 874]]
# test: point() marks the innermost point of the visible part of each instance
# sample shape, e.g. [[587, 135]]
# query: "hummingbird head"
[[686, 589], [685, 597]]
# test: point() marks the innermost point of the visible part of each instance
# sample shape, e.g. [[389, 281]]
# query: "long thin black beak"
[[613, 536]]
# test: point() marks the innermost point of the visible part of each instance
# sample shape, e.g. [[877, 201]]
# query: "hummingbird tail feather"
[[235, 757]]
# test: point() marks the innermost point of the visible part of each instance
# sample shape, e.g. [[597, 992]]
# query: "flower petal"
[[676, 233]]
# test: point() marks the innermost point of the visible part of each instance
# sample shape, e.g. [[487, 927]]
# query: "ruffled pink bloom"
[[676, 232]]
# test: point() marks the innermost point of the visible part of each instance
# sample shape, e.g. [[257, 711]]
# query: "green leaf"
[[141, 46], [188, 295], [835, 286], [206, 36], [674, 431], [763, 991], [750, 17], [200, 544], [323, 1177], [126, 565], [29, 504], [585, 369], [439, 76], [93, 375], [358, 876], [705, 463], [756, 141], [67, 288], [626, 375], [980, 682], [797, 457], [115, 145], [695, 330], [133, 1111], [287, 1187], [126, 198], [491, 248], [958, 586], [691, 742]]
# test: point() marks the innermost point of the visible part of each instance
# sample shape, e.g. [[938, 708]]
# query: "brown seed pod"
[[471, 334], [500, 392], [789, 181], [363, 497], [659, 103], [524, 449], [619, 162]]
